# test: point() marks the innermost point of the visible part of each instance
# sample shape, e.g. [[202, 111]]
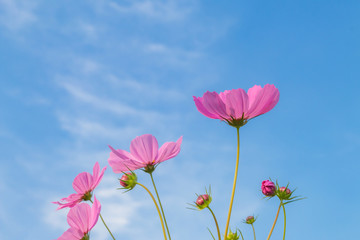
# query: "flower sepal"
[[128, 180]]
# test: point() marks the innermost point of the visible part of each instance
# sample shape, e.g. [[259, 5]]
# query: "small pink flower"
[[236, 106], [144, 153], [81, 218], [268, 188], [83, 184]]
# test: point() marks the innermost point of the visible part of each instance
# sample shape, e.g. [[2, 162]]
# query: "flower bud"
[[250, 220], [232, 236], [268, 188], [128, 180], [284, 193], [203, 201]]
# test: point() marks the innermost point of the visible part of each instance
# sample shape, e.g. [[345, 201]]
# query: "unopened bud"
[[128, 180], [284, 193], [268, 188], [250, 220], [232, 236], [203, 201]]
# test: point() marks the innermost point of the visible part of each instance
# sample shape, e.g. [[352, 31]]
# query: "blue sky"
[[77, 76]]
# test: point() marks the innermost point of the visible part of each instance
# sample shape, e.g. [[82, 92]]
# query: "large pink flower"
[[81, 218], [83, 184], [144, 153], [236, 106]]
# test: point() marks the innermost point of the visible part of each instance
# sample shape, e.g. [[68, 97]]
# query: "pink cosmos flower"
[[144, 153], [81, 218], [83, 184], [236, 106]]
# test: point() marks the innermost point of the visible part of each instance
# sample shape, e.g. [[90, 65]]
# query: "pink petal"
[[200, 107], [236, 102], [95, 212], [96, 176], [79, 217], [121, 161], [169, 150], [69, 201], [144, 148], [262, 100], [214, 105], [71, 234], [83, 182]]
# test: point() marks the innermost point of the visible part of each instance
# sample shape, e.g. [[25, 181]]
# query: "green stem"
[[253, 230], [105, 224], [273, 226], [162, 210], [234, 184], [157, 208], [241, 235], [284, 221], [217, 225]]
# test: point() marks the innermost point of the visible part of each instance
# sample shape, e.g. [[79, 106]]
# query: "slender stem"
[[253, 230], [162, 210], [234, 184], [273, 226], [157, 208], [217, 225], [241, 235], [105, 224], [284, 221]]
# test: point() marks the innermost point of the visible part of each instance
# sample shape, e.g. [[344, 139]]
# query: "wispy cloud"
[[168, 10], [16, 14]]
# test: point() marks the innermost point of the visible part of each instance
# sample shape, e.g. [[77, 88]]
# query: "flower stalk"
[[216, 223], [273, 226], [284, 221], [104, 223], [162, 210], [157, 208], [234, 184]]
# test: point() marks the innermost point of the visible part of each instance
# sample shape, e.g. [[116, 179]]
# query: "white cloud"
[[16, 14], [168, 10]]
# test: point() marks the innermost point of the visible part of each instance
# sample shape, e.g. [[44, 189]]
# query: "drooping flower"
[[268, 188], [83, 184], [144, 153], [236, 106], [81, 218]]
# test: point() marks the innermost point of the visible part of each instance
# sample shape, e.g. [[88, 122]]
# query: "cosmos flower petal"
[[71, 234], [79, 217], [144, 153], [95, 212], [200, 107], [69, 201], [122, 161], [237, 101], [262, 100], [83, 182], [144, 148], [169, 150], [236, 106], [97, 175], [214, 105]]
